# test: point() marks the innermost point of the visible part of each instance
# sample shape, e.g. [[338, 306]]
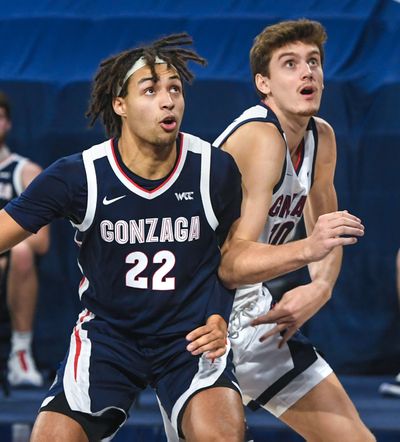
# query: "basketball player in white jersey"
[[287, 159], [393, 388], [21, 283]]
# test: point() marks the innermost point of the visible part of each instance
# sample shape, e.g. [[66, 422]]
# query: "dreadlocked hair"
[[110, 76]]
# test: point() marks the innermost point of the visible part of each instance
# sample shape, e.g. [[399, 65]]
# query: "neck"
[[147, 160], [4, 152], [293, 125]]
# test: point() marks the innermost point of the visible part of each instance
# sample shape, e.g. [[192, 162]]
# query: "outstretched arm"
[[39, 242], [11, 232]]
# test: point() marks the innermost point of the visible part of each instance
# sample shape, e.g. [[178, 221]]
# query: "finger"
[[347, 230], [344, 221], [287, 335], [277, 329], [198, 332], [340, 241], [343, 214], [210, 346], [206, 339], [272, 317], [216, 354]]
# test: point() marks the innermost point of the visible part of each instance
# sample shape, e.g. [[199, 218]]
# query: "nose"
[[306, 71], [166, 101]]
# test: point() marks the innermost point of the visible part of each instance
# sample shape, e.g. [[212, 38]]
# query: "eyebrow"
[[153, 79], [294, 54]]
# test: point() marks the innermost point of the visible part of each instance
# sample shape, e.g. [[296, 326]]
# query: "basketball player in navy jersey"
[[287, 159], [150, 206], [18, 274]]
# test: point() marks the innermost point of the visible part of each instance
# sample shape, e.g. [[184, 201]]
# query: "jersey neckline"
[[133, 186]]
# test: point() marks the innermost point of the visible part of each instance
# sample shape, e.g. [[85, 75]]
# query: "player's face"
[[5, 124], [153, 110], [295, 80]]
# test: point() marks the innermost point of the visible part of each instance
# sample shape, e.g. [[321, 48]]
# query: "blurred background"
[[50, 52]]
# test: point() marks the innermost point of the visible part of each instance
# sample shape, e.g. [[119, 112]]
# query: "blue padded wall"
[[51, 51]]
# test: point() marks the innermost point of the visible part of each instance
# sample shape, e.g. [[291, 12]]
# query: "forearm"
[[248, 262], [11, 233], [325, 272]]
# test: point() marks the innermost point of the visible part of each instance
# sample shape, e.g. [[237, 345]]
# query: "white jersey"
[[290, 193], [270, 377]]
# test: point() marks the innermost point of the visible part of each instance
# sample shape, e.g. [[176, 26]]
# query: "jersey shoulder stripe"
[[259, 113]]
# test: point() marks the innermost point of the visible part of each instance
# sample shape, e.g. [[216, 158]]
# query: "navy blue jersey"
[[149, 258], [10, 178]]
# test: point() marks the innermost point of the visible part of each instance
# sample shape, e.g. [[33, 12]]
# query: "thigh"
[[184, 377], [57, 427], [102, 371], [214, 414], [327, 414]]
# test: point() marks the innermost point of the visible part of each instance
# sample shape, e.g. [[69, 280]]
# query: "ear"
[[262, 84], [119, 106]]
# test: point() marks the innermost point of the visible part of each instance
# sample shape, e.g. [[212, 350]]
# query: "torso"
[[290, 194], [146, 254]]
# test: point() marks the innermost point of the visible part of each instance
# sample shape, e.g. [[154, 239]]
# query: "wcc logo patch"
[[180, 196]]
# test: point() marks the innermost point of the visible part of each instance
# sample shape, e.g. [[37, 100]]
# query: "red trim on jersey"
[[22, 360], [137, 185], [82, 281], [78, 344], [300, 150]]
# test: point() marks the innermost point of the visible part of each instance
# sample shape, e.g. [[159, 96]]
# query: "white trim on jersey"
[[205, 186], [207, 374], [76, 376], [17, 175], [89, 156], [249, 114], [143, 192]]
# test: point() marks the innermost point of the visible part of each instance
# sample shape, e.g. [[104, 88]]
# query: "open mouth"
[[168, 123], [308, 90]]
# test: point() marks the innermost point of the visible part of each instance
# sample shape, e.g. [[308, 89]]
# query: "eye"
[[290, 64], [175, 89], [149, 91], [313, 62]]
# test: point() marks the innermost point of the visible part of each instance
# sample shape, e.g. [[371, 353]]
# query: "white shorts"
[[270, 377]]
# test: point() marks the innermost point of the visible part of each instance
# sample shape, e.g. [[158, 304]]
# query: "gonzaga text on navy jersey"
[[148, 255]]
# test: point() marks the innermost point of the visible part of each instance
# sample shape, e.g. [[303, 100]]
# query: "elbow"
[[226, 276]]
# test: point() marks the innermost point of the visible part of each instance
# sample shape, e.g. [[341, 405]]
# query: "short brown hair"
[[5, 104], [276, 36]]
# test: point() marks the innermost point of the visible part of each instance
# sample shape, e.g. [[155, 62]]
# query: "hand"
[[328, 233], [210, 338], [293, 310]]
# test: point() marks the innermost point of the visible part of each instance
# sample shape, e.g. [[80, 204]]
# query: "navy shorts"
[[105, 369]]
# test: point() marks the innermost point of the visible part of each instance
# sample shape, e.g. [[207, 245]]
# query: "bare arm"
[[38, 242], [322, 199], [259, 152], [11, 232], [302, 302]]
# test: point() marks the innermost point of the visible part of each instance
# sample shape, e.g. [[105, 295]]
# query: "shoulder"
[[254, 137], [326, 154], [325, 130]]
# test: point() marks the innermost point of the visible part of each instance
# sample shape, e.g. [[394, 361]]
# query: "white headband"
[[135, 67]]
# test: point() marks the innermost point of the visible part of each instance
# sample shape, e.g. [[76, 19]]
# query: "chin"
[[167, 139], [310, 112]]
